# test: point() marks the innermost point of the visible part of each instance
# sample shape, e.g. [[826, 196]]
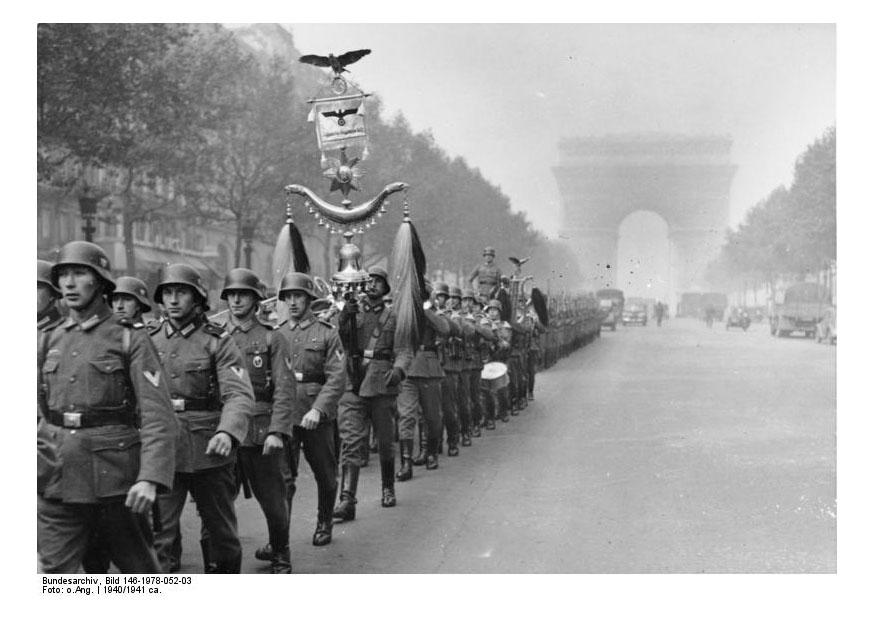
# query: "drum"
[[494, 376]]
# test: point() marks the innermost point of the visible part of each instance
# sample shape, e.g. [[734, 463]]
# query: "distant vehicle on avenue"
[[738, 317], [611, 301], [804, 305], [635, 313], [826, 328]]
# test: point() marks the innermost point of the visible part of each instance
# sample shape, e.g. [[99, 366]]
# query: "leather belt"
[[378, 354], [90, 419], [428, 348], [310, 377], [192, 404]]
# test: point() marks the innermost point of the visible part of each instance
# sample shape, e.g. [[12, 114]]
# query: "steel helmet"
[[488, 250], [179, 273], [379, 271], [85, 254], [44, 276], [134, 287], [494, 303], [297, 281], [441, 288], [242, 279], [469, 293], [456, 292]]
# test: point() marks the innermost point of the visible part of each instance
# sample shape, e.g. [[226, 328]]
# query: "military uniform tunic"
[[319, 366], [95, 376], [374, 400], [211, 393], [488, 278], [268, 365]]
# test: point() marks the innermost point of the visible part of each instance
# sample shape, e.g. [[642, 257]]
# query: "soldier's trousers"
[[64, 532], [449, 405], [471, 378], [495, 403], [318, 446], [265, 477], [420, 394], [355, 416], [213, 491], [463, 403], [531, 369], [515, 374]]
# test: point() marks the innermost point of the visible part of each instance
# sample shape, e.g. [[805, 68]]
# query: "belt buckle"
[[178, 404], [368, 354], [72, 419], [299, 376]]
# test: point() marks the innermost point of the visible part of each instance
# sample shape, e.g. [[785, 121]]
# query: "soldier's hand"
[[311, 419], [393, 377], [272, 444], [220, 444], [141, 496]]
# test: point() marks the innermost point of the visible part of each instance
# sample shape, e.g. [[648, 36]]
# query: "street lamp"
[[247, 230], [88, 210]]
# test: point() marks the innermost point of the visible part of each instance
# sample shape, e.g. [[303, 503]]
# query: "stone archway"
[[684, 179]]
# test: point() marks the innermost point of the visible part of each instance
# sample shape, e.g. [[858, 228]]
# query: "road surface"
[[653, 450]]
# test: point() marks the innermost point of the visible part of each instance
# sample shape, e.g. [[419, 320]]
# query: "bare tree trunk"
[[238, 240], [128, 226]]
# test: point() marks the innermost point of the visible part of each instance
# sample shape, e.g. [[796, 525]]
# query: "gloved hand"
[[394, 376]]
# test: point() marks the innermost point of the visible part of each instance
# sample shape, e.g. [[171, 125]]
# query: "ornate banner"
[[340, 122]]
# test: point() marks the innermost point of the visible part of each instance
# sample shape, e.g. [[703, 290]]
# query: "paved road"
[[673, 449]]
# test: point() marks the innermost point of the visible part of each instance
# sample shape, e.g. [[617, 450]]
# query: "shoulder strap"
[[378, 328]]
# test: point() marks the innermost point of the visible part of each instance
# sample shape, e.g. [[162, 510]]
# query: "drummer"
[[495, 399]]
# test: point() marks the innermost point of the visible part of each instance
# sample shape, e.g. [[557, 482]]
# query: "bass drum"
[[494, 376]]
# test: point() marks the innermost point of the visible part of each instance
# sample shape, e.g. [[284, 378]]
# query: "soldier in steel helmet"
[[497, 404], [458, 363], [107, 440], [370, 396], [421, 392], [319, 366], [213, 400], [262, 459], [48, 315], [130, 300], [451, 364], [473, 361], [487, 274]]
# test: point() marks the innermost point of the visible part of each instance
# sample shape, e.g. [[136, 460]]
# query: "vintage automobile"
[[610, 314], [738, 317], [801, 309], [635, 314], [826, 327]]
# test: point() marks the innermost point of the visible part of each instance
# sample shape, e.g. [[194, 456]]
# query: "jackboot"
[[423, 450], [452, 448], [466, 439], [406, 471], [264, 553], [345, 509], [322, 535], [210, 567], [281, 563], [475, 430], [387, 474], [431, 460]]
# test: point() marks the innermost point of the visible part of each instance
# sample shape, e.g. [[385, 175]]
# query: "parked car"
[[826, 327], [635, 314], [610, 312]]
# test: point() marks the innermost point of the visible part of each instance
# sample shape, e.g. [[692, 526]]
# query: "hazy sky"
[[502, 96]]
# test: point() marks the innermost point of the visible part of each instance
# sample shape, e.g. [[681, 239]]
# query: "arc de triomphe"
[[684, 179]]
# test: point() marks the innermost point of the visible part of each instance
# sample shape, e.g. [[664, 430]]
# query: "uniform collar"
[[232, 325], [304, 323], [100, 315], [185, 331], [375, 308]]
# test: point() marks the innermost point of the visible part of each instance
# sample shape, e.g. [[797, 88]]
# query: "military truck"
[[611, 301], [799, 309]]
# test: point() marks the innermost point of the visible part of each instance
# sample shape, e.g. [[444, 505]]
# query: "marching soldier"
[[130, 300], [261, 457], [369, 399], [497, 404], [534, 328], [48, 316], [107, 440], [516, 363], [212, 396], [451, 362], [458, 364], [421, 390], [318, 363], [487, 274], [474, 361]]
